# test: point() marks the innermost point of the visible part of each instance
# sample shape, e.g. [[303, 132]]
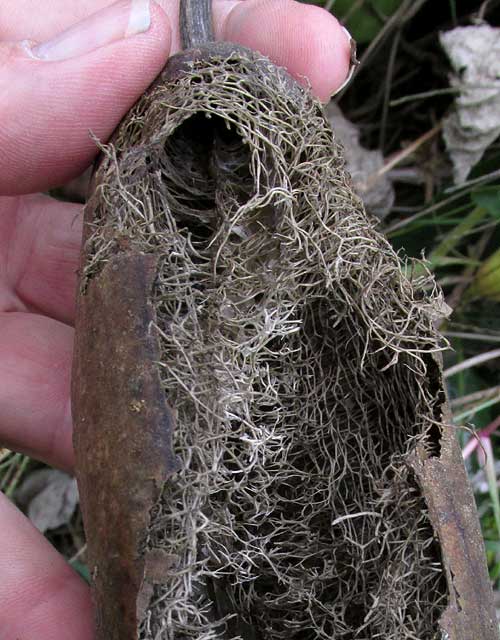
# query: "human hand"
[[88, 78]]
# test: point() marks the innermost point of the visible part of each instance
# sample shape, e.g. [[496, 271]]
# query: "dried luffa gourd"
[[262, 441]]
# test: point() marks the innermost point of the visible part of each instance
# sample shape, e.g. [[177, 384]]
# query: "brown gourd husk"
[[262, 440]]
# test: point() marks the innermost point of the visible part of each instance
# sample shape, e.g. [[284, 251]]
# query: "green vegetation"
[[364, 19]]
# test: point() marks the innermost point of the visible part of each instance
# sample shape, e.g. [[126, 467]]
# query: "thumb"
[[54, 93]]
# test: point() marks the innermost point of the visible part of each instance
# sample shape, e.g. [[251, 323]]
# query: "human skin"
[[47, 108]]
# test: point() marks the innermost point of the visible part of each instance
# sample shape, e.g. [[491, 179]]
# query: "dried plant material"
[[474, 123], [122, 439], [49, 498], [376, 190], [312, 486]]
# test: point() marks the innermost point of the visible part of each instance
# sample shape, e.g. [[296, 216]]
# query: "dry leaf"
[[474, 124], [375, 190], [49, 498]]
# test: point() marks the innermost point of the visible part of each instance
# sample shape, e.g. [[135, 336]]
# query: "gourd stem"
[[195, 21]]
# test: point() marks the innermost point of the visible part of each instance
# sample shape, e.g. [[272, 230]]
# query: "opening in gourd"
[[205, 171]]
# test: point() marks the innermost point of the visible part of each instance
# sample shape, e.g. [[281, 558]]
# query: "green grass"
[[13, 467]]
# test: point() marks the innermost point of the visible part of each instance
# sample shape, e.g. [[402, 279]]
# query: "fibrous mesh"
[[296, 355]]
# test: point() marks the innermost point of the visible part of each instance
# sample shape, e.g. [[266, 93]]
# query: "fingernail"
[[353, 62], [221, 11], [120, 20]]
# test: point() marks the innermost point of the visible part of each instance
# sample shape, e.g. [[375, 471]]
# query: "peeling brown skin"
[[122, 437], [470, 614]]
